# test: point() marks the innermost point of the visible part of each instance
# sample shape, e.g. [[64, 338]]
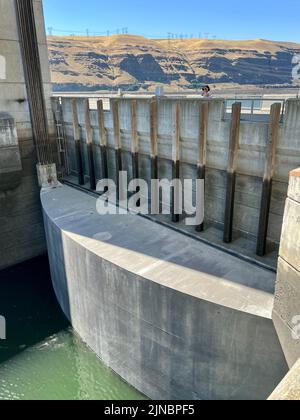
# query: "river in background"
[[42, 359]]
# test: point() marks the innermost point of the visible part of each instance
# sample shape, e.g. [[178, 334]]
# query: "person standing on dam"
[[206, 92]]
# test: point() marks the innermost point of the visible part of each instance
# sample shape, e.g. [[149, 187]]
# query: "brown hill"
[[137, 63]]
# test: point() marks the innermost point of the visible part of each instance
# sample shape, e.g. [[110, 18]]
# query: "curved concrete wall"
[[175, 318], [286, 313]]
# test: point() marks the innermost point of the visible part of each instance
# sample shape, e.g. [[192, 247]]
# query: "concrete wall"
[[177, 319], [21, 227], [10, 157], [287, 303], [251, 159]]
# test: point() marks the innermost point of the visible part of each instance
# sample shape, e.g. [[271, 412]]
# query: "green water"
[[42, 359]]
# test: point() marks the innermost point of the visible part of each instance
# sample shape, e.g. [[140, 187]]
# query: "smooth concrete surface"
[[289, 388], [21, 224], [287, 302], [175, 318]]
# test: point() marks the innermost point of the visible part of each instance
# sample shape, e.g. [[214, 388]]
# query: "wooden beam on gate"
[[273, 136], [234, 143], [134, 140], [103, 140], [77, 139], [90, 144], [154, 138], [202, 145], [176, 164], [117, 137]]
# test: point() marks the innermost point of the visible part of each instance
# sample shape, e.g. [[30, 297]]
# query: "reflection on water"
[[61, 367], [42, 358]]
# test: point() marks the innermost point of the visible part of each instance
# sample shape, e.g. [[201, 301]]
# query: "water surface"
[[42, 359]]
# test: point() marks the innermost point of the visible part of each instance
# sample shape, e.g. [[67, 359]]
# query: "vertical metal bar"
[[273, 137], [176, 164], [117, 136], [252, 109], [64, 136], [155, 205], [154, 138], [103, 140], [77, 139], [202, 144], [231, 171], [33, 79], [134, 140], [89, 143], [283, 110], [57, 120]]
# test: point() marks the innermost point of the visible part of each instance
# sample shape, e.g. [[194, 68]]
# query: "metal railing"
[[255, 109]]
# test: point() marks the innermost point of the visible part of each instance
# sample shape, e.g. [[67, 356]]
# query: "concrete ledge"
[[295, 172], [289, 389], [290, 238], [175, 318], [294, 185]]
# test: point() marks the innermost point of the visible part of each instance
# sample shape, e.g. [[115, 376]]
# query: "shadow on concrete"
[[162, 241]]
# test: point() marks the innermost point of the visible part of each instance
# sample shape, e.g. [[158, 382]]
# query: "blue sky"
[[225, 19]]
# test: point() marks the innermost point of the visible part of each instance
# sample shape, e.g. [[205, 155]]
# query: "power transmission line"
[[125, 31]]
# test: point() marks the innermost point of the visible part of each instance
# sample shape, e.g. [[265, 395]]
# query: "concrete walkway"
[[162, 255]]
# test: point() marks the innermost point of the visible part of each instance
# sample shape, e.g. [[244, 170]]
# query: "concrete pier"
[[286, 313], [175, 318], [155, 124], [21, 225]]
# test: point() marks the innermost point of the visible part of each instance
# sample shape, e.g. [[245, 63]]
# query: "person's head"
[[206, 89]]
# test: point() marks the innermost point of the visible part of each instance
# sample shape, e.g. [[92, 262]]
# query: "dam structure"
[[179, 312]]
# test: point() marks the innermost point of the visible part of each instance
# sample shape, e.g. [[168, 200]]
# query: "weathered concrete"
[[47, 175], [287, 303], [21, 225], [250, 160], [10, 159], [289, 388], [175, 318]]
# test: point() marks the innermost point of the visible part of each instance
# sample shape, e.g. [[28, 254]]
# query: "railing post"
[[273, 136], [201, 164], [231, 171], [77, 139]]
